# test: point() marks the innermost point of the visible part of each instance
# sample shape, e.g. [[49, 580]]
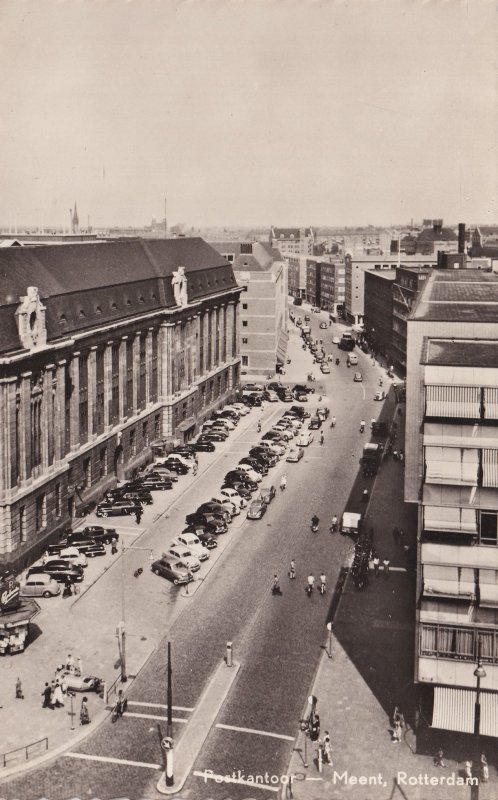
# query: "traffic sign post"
[[167, 745], [329, 628]]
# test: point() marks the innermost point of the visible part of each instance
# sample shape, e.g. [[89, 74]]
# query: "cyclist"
[[310, 584], [335, 522], [323, 583], [292, 569]]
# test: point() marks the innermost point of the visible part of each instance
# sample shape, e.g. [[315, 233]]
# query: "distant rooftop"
[[458, 296], [386, 274], [461, 353]]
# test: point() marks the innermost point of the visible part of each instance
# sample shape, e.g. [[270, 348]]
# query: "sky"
[[248, 112]]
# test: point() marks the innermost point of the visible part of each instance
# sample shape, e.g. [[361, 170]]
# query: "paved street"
[[277, 640]]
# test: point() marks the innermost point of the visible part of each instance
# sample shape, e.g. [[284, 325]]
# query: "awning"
[[282, 347], [21, 616], [443, 434], [450, 518], [454, 710], [460, 376], [185, 425], [461, 496], [488, 593]]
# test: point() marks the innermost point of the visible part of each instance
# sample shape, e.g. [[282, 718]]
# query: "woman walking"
[[84, 715]]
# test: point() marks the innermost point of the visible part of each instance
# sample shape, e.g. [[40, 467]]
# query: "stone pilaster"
[[6, 429], [230, 323], [48, 409], [122, 378], [24, 426], [148, 361], [59, 412], [165, 358], [74, 371], [107, 384], [92, 393], [136, 371]]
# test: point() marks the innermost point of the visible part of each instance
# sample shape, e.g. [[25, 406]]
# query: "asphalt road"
[[277, 640]]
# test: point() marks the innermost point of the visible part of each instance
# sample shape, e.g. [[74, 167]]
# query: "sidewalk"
[[371, 671]]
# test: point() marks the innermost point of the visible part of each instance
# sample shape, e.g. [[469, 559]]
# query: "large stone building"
[[318, 280], [451, 473], [261, 271], [105, 347]]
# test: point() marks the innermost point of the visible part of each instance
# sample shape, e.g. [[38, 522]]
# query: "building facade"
[[105, 348], [451, 472], [261, 271], [378, 319], [293, 240]]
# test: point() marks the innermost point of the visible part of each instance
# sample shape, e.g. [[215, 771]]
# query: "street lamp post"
[[479, 673], [122, 625], [329, 651]]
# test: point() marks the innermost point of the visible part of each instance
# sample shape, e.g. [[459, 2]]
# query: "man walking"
[[376, 566], [292, 569], [114, 546], [386, 564], [47, 697], [19, 691], [138, 514]]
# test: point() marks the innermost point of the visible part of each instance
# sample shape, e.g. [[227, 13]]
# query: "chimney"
[[461, 237], [437, 225]]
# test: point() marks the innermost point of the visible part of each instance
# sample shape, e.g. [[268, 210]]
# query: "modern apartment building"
[[261, 271], [451, 472], [293, 240]]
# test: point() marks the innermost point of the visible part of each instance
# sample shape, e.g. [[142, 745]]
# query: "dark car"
[[257, 464], [204, 446], [215, 508], [202, 517], [300, 411], [314, 423], [262, 454], [140, 495], [204, 531], [284, 394], [175, 465], [240, 486], [251, 400], [117, 508], [60, 571], [303, 387], [87, 545], [156, 482], [240, 475], [273, 436], [173, 569], [274, 387], [213, 436], [99, 534], [189, 454]]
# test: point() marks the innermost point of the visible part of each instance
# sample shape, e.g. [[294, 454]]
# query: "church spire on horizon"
[[75, 222]]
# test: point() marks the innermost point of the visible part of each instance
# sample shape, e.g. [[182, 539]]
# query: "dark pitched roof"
[[85, 285], [442, 235], [458, 296], [461, 353]]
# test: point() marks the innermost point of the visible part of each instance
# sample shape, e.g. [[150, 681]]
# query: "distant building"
[[293, 240], [451, 473], [319, 280], [105, 347], [435, 237], [378, 318], [261, 270]]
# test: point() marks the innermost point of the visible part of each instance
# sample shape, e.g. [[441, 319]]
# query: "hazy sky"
[[249, 112]]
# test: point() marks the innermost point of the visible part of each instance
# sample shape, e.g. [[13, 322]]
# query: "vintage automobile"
[[257, 509], [295, 454], [267, 493], [173, 569]]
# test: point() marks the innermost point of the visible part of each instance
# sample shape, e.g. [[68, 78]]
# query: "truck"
[[350, 524], [371, 458], [347, 342]]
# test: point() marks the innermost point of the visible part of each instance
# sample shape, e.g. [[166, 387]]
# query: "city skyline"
[[248, 113]]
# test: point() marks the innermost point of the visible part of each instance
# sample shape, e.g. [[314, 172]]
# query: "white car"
[[304, 439], [234, 497], [253, 475], [231, 507], [71, 554], [352, 359], [227, 423], [273, 447], [284, 431], [335, 340], [192, 543], [271, 396], [182, 553], [295, 454], [241, 408], [296, 423]]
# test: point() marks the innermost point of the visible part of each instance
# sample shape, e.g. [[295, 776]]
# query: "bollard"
[[229, 655]]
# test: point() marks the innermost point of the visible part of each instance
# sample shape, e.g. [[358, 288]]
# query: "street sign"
[[167, 743]]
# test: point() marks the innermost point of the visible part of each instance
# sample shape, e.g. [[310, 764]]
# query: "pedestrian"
[[259, 426], [58, 697], [47, 696], [322, 438], [386, 564], [19, 692], [114, 546], [138, 514], [79, 666], [194, 469], [70, 663], [467, 768], [438, 758], [396, 534], [396, 738], [327, 748], [372, 423], [365, 495], [84, 715], [292, 569], [376, 566], [484, 768], [283, 483], [315, 728]]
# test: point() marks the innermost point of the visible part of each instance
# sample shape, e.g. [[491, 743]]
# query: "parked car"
[[250, 472], [257, 509], [335, 340], [263, 453], [234, 497], [255, 464], [204, 447], [213, 436], [241, 408], [304, 439], [156, 469], [140, 495], [232, 508], [273, 436], [240, 487], [252, 387], [59, 571], [325, 368], [222, 421], [300, 411], [99, 534], [94, 550], [270, 396], [277, 447], [216, 508], [40, 585], [251, 400], [201, 517], [315, 423], [295, 454], [177, 464], [173, 569], [352, 359], [323, 326], [284, 394], [303, 387], [206, 532], [358, 377], [185, 451], [116, 508], [284, 432], [70, 554], [181, 553], [82, 683], [240, 475], [192, 543], [156, 482], [267, 493]]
